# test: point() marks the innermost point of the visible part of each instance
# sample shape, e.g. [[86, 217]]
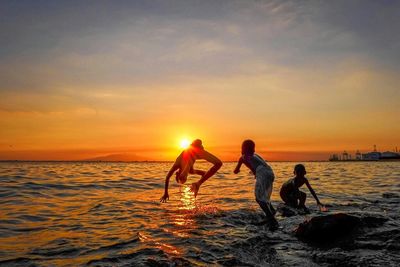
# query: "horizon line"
[[144, 161]]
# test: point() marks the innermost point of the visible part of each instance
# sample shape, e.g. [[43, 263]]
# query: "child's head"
[[299, 170], [248, 147], [197, 144]]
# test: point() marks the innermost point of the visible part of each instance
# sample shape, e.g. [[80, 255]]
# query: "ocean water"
[[109, 214]]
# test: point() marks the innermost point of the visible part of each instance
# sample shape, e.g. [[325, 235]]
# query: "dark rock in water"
[[327, 228], [288, 211], [333, 257]]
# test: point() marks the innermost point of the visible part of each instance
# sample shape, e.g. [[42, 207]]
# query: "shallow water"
[[109, 214]]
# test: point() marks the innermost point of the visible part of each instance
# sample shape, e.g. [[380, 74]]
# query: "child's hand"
[[195, 188], [322, 207], [164, 198]]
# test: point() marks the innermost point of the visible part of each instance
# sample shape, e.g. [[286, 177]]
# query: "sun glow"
[[184, 143]]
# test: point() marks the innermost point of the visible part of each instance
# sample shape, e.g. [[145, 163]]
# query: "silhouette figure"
[[291, 194], [264, 179], [184, 165]]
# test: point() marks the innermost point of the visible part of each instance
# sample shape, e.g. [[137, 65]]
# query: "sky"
[[303, 79]]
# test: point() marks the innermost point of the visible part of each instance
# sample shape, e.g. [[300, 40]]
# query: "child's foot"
[[273, 211], [195, 189], [273, 225], [304, 209]]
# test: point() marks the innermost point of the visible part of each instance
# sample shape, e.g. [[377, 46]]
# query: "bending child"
[[184, 165], [264, 179], [291, 194]]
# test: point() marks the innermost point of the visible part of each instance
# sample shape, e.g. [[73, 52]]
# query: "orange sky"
[[298, 80]]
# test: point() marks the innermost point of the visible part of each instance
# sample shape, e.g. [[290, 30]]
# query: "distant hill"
[[118, 157]]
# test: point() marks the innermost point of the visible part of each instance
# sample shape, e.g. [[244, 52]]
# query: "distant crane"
[[345, 155]]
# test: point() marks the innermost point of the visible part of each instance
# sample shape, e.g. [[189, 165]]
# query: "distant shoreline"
[[143, 161], [165, 161]]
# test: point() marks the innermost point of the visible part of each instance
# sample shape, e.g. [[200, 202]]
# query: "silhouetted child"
[[184, 165], [264, 179], [291, 194]]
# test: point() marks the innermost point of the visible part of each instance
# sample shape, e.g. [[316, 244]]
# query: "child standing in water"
[[264, 179], [184, 165], [291, 194]]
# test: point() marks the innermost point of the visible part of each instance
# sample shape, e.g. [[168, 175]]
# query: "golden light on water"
[[186, 208], [187, 198], [167, 248]]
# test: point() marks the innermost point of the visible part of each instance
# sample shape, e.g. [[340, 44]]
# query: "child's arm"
[[239, 164], [313, 192], [171, 171]]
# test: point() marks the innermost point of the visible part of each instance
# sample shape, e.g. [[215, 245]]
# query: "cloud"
[[268, 68]]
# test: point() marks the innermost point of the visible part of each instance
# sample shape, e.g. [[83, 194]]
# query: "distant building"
[[371, 156], [390, 155], [334, 157]]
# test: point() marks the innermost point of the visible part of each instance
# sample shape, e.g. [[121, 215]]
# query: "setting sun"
[[185, 143]]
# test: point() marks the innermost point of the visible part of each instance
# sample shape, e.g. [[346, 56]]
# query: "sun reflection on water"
[[186, 208], [187, 198]]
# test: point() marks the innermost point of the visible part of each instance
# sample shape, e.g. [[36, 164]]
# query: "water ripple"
[[102, 214]]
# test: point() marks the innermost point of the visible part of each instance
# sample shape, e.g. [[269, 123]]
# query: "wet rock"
[[327, 228], [286, 211], [334, 257]]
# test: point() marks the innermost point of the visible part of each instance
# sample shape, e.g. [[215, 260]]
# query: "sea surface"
[[109, 214]]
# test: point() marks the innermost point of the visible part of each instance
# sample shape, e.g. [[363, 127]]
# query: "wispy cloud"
[[297, 68]]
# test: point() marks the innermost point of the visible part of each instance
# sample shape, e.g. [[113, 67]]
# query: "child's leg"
[[262, 191], [289, 199], [269, 192], [302, 199], [267, 210], [199, 172], [179, 179]]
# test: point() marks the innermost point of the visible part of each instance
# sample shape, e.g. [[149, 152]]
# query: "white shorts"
[[263, 187]]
